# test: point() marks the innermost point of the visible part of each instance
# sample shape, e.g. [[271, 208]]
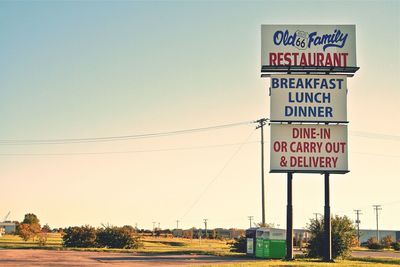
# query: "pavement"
[[52, 258], [376, 254], [36, 257]]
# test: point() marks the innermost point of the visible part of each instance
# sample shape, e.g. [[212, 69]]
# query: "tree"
[[29, 227], [129, 228], [343, 235], [35, 229], [46, 228], [30, 218], [80, 237], [28, 231], [239, 245], [116, 237], [24, 231]]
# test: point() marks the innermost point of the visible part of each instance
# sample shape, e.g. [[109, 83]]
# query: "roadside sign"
[[308, 148], [310, 46], [308, 98]]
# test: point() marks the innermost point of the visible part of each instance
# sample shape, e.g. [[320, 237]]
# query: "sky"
[[94, 69]]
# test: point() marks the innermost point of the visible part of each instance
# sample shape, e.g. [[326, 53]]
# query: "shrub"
[[343, 235], [373, 243], [80, 237], [239, 245], [386, 241], [396, 245], [116, 237]]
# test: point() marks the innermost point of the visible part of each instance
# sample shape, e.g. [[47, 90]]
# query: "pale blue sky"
[[89, 69]]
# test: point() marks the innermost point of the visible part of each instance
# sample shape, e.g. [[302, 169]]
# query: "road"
[[376, 254], [36, 257], [53, 258]]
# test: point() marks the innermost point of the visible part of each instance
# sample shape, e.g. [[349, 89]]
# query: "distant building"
[[211, 233], [301, 234], [177, 232], [8, 227], [367, 234]]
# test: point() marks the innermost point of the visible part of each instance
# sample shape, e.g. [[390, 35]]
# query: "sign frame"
[[333, 94], [291, 48], [274, 137]]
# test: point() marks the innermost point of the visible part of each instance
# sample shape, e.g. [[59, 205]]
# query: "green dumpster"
[[270, 243], [259, 247]]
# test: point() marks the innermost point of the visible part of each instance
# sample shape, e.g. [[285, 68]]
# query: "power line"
[[375, 135], [117, 138], [378, 155], [125, 152], [217, 176]]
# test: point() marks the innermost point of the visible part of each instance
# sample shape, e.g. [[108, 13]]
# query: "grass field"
[[150, 245], [154, 245], [13, 241]]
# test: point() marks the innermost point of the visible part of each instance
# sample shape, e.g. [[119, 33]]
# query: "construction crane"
[[6, 217]]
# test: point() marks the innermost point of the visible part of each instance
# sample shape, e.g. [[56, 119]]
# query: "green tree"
[[80, 237], [117, 237], [46, 228], [30, 218], [343, 235], [239, 245]]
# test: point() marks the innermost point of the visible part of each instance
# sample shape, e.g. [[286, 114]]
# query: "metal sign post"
[[289, 219], [327, 223]]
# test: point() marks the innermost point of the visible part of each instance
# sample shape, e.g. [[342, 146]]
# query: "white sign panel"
[[309, 98], [308, 45], [308, 148]]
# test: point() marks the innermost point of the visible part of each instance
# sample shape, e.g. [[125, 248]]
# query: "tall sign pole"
[[261, 125], [327, 223], [289, 218]]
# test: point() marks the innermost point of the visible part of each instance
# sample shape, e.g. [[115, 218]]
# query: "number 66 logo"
[[301, 40]]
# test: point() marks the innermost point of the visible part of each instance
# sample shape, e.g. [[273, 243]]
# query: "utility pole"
[[250, 219], [377, 208], [205, 226], [154, 228], [261, 123], [159, 228], [177, 224], [358, 212]]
